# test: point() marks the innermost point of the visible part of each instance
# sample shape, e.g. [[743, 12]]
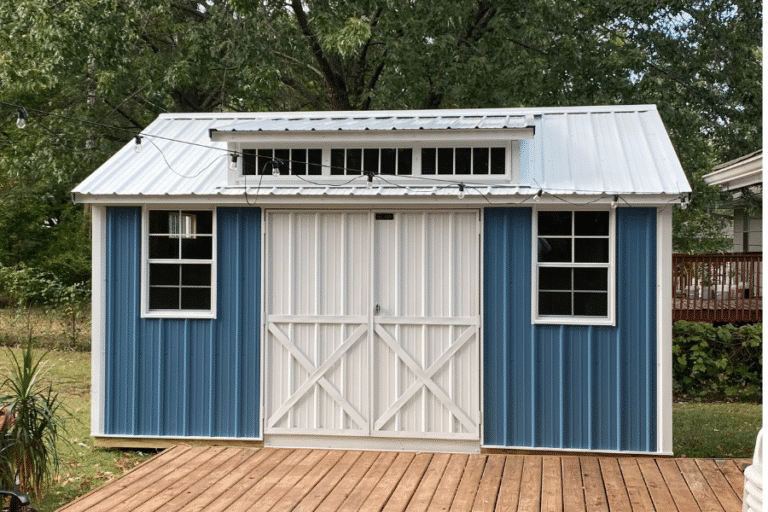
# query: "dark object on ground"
[[18, 500]]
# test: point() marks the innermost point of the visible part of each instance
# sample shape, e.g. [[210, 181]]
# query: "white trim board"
[[98, 318], [664, 331], [370, 443]]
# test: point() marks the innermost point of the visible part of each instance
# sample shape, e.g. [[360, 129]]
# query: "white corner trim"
[[664, 330], [98, 317]]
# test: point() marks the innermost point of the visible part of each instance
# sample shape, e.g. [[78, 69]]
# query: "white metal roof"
[[574, 150]]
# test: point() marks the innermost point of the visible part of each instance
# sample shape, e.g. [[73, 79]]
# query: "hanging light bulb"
[[21, 122], [369, 183], [615, 202], [233, 163], [137, 146], [538, 195], [460, 194], [275, 168]]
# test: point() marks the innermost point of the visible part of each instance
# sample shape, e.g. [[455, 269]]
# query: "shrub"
[[717, 362], [33, 419]]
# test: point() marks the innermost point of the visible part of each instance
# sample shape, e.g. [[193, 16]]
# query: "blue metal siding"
[[565, 386], [184, 377]]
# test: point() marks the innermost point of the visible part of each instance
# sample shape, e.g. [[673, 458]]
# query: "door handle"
[[376, 309]]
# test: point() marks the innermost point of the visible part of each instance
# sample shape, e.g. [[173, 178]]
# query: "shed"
[[448, 280]]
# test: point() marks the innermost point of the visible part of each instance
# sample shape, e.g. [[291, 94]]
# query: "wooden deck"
[[238, 479]]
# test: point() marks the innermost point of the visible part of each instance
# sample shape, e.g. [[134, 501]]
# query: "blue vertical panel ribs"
[[184, 377], [566, 386]]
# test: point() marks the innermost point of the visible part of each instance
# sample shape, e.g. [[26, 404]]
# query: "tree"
[[118, 65]]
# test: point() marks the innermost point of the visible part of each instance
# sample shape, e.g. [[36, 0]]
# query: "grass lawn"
[[716, 430], [700, 430]]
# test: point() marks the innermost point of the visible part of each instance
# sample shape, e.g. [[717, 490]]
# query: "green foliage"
[[24, 286], [717, 362], [36, 423]]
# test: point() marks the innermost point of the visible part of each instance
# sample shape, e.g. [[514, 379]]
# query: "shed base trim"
[[371, 443], [547, 450], [167, 442]]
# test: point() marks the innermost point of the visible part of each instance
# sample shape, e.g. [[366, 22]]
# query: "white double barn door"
[[372, 324]]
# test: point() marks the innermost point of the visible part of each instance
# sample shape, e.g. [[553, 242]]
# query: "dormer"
[[384, 148]]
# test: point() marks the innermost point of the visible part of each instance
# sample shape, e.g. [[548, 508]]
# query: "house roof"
[[573, 150], [745, 171]]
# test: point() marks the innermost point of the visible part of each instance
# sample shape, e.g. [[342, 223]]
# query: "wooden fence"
[[718, 287]]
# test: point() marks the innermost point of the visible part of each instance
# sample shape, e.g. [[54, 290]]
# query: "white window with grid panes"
[[574, 275], [179, 271]]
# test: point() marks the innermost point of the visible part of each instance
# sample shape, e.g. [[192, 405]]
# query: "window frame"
[[145, 262], [610, 318], [510, 144]]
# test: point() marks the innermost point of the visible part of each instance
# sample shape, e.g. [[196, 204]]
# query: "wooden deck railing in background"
[[718, 287]]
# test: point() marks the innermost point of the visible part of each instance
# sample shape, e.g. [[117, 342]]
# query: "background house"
[[427, 280]]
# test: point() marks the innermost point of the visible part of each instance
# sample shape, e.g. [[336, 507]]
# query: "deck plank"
[[251, 489], [615, 488], [657, 488], [639, 497], [733, 474], [698, 485], [134, 495], [364, 487], [719, 485], [509, 493], [324, 487], [296, 493], [208, 485], [470, 481], [573, 487], [380, 494], [488, 491], [405, 490], [551, 484], [429, 482], [345, 486], [530, 483], [594, 490], [446, 489], [677, 485], [220, 456], [139, 473]]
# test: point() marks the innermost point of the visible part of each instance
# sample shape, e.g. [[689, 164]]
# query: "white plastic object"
[[753, 480]]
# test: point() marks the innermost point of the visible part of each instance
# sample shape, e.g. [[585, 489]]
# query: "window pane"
[[554, 303], [249, 162], [163, 298], [555, 250], [463, 160], [197, 248], [555, 278], [428, 156], [591, 223], [405, 161], [591, 250], [196, 275], [164, 274], [590, 304], [555, 223], [265, 157], [480, 161], [371, 160], [195, 298], [388, 160], [497, 161], [445, 161], [163, 247], [315, 162], [283, 157], [337, 161], [590, 279], [354, 161], [299, 161], [158, 221], [204, 221]]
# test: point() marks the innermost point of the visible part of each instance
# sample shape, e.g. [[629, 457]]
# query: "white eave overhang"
[[746, 171]]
